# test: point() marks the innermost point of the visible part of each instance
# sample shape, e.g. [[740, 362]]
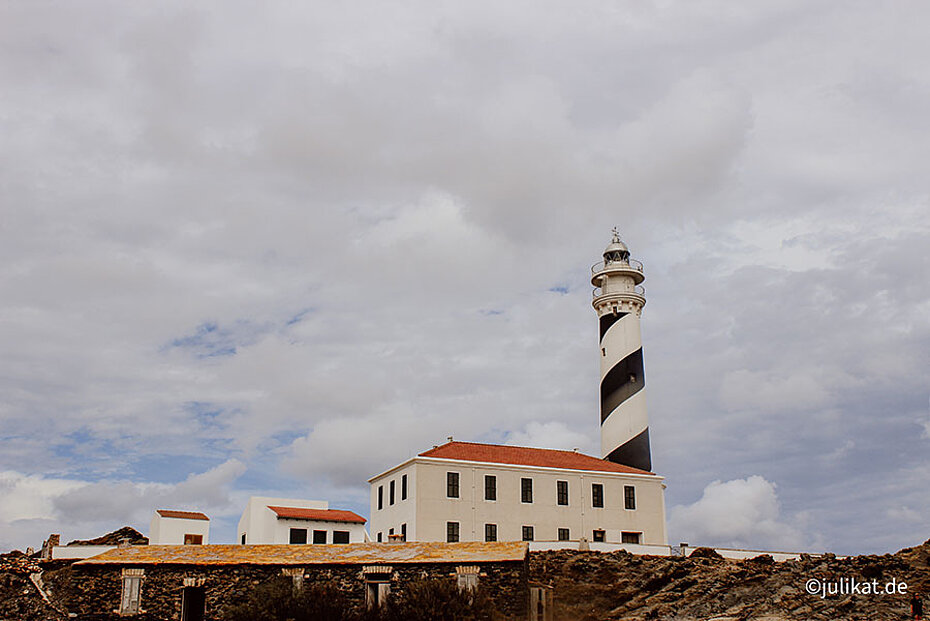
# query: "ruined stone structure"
[[193, 583]]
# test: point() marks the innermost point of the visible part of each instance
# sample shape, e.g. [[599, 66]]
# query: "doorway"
[[193, 603]]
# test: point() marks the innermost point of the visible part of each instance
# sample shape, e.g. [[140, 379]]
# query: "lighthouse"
[[618, 300]]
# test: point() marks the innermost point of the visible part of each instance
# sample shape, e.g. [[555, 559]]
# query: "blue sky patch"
[[207, 414], [208, 341], [298, 317], [167, 468]]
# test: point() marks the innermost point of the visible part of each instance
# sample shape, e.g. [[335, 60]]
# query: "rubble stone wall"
[[93, 592]]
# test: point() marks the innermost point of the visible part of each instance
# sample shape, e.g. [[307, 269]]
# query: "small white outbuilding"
[[170, 527], [287, 520]]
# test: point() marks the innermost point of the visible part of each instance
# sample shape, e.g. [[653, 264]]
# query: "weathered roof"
[[323, 515], [525, 456], [345, 554], [182, 515]]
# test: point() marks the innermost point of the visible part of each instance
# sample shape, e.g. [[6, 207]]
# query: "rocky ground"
[[591, 586]]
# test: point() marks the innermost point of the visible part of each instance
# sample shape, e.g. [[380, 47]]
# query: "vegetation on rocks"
[[422, 600]]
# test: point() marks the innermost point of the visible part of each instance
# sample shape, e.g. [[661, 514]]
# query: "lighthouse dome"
[[616, 250]]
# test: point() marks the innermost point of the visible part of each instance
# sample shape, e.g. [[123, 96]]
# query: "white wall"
[[428, 509], [260, 525], [632, 548], [402, 511], [282, 531], [171, 531], [740, 553], [70, 552]]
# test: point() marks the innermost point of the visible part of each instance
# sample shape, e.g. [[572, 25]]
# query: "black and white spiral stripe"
[[624, 423]]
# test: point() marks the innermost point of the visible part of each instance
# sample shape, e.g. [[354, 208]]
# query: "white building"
[[287, 520], [463, 491], [482, 492], [170, 527]]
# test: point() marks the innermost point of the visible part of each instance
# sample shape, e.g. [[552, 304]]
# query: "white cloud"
[[554, 434], [29, 497], [904, 514], [769, 392], [390, 229], [35, 505], [742, 513]]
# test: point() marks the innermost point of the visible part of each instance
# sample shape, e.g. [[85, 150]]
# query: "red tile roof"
[[325, 515], [183, 515], [524, 456]]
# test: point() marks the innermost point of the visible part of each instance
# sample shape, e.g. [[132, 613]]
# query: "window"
[[319, 536], [391, 494], [296, 574], [527, 533], [403, 531], [561, 492], [630, 537], [380, 497], [193, 540], [597, 495], [403, 487], [243, 538], [132, 591], [452, 532], [452, 484], [390, 533], [490, 487], [490, 532], [379, 535], [467, 577], [629, 497], [526, 490], [298, 535], [563, 534], [599, 536], [342, 536]]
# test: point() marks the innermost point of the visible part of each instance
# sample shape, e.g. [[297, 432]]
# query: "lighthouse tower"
[[619, 299]]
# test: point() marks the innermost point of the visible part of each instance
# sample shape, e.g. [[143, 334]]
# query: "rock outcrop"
[[591, 586], [126, 533]]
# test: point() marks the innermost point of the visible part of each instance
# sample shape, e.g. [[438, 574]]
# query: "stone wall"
[[93, 592]]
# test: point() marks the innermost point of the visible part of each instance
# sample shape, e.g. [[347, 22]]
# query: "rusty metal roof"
[[322, 515], [296, 554]]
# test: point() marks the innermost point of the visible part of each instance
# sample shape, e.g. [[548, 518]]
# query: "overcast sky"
[[276, 248]]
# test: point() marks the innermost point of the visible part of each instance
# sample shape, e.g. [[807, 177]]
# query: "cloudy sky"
[[276, 248]]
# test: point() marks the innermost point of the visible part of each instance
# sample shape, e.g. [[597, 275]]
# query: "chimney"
[[47, 546], [396, 538], [124, 543]]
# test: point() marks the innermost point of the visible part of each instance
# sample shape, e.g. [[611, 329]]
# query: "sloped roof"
[[525, 456], [323, 515], [333, 554], [182, 515]]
